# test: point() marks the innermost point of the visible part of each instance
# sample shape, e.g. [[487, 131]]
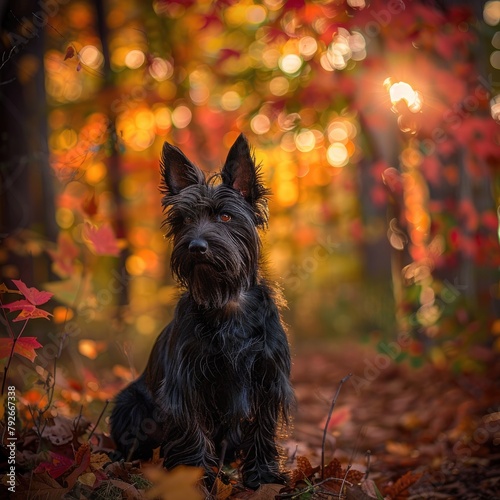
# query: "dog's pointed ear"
[[177, 172], [241, 173]]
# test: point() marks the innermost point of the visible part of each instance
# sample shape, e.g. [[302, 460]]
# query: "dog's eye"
[[224, 217], [188, 220]]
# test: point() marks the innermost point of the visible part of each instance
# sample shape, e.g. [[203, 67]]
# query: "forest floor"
[[445, 429], [395, 433]]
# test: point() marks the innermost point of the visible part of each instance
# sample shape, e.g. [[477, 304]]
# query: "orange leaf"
[[223, 490], [304, 470], [25, 346], [82, 460], [399, 490], [32, 314], [355, 476], [28, 310], [305, 466], [333, 469], [180, 483]]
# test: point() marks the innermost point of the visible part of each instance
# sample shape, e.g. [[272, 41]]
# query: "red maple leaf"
[[28, 311], [27, 306], [33, 295], [25, 346], [57, 466], [101, 240]]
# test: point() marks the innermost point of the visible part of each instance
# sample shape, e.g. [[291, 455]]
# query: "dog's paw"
[[254, 478]]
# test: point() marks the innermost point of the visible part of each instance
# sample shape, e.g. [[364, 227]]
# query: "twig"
[[341, 383], [11, 355], [213, 489], [99, 419], [347, 469], [5, 60], [77, 421], [368, 457], [312, 487]]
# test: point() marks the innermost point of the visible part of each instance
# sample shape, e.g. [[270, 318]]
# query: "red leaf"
[[25, 346], [339, 417], [82, 460], [102, 240], [392, 179], [18, 305], [70, 52], [90, 205], [32, 294], [58, 465], [65, 255]]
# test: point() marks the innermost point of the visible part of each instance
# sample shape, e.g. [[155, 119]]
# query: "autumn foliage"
[[377, 127]]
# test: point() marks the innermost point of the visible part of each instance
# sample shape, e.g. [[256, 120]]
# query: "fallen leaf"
[[40, 486], [181, 483], [130, 492], [222, 490], [339, 418], [333, 469], [303, 471], [401, 449], [57, 466], [400, 489], [25, 346], [98, 461], [82, 459], [88, 479], [267, 492]]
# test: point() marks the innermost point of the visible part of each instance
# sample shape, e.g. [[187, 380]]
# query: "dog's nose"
[[198, 246]]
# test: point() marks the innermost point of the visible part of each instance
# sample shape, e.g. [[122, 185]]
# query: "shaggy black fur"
[[218, 375]]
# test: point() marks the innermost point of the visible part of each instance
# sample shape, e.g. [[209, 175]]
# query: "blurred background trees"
[[376, 124]]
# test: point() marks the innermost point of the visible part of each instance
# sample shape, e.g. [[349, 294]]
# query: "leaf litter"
[[404, 434]]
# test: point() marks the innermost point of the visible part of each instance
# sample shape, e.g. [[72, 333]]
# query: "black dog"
[[217, 381]]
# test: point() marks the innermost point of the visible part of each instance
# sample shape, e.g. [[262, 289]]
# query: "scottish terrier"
[[217, 380]]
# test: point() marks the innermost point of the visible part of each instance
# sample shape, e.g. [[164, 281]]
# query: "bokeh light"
[[290, 64], [491, 12], [404, 91], [91, 57], [260, 124], [337, 155], [135, 59]]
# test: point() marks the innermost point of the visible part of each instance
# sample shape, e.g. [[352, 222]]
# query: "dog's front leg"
[[260, 453], [189, 445]]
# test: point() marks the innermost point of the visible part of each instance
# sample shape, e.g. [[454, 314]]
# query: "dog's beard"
[[211, 290], [212, 283]]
